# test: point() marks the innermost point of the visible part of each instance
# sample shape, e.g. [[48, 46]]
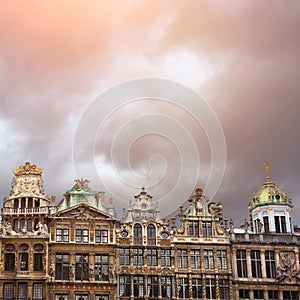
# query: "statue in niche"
[[52, 269]]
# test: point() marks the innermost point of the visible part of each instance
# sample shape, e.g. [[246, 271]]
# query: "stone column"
[[263, 263], [249, 269], [234, 264], [251, 295], [266, 295], [297, 257], [276, 258]]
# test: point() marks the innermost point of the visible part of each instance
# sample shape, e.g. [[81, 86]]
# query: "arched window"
[[23, 257], [137, 234], [22, 224], [151, 235], [29, 225], [16, 225]]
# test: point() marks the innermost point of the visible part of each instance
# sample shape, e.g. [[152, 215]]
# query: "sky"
[[57, 58]]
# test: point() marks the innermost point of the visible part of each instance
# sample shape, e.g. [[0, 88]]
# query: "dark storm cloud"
[[55, 58]]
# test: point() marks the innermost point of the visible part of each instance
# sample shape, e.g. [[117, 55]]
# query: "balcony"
[[24, 211], [276, 238]]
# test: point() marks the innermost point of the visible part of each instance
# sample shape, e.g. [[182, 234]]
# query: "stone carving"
[[52, 269], [72, 271], [92, 270], [7, 229], [287, 272], [81, 214], [216, 210], [41, 229], [112, 271]]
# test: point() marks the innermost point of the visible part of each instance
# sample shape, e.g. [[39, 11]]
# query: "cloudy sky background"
[[243, 57]]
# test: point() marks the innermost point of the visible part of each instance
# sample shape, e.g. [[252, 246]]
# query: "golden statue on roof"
[[268, 166]]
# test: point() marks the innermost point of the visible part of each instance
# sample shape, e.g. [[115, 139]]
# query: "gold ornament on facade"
[[27, 168]]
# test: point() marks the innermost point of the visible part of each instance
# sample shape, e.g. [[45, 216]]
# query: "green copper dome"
[[269, 193]]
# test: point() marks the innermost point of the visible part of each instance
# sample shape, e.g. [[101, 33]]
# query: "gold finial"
[[268, 166]]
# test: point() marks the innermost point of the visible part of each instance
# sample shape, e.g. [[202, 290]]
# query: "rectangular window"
[[166, 286], [194, 228], [195, 259], [270, 264], [61, 296], [138, 257], [124, 285], [165, 257], [81, 296], [101, 236], [82, 236], [8, 291], [62, 266], [152, 286], [183, 288], [101, 267], [244, 295], [22, 291], [277, 224], [138, 286], [151, 257], [258, 294], [9, 262], [224, 289], [38, 262], [273, 295], [37, 291], [182, 259], [210, 286], [290, 295], [256, 264], [23, 261], [208, 259], [197, 288], [82, 267], [62, 235], [266, 224], [283, 224], [241, 263], [124, 257], [101, 297], [222, 259], [206, 229]]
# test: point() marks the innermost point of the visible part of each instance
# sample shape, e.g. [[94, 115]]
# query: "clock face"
[[124, 233], [164, 235]]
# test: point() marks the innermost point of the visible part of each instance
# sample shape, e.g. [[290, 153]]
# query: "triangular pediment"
[[83, 212]]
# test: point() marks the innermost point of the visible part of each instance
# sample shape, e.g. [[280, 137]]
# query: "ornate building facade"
[[79, 250]]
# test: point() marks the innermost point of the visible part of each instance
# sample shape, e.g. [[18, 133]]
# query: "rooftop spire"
[[268, 166]]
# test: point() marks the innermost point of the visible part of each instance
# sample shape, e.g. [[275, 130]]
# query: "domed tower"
[[27, 206], [270, 208]]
